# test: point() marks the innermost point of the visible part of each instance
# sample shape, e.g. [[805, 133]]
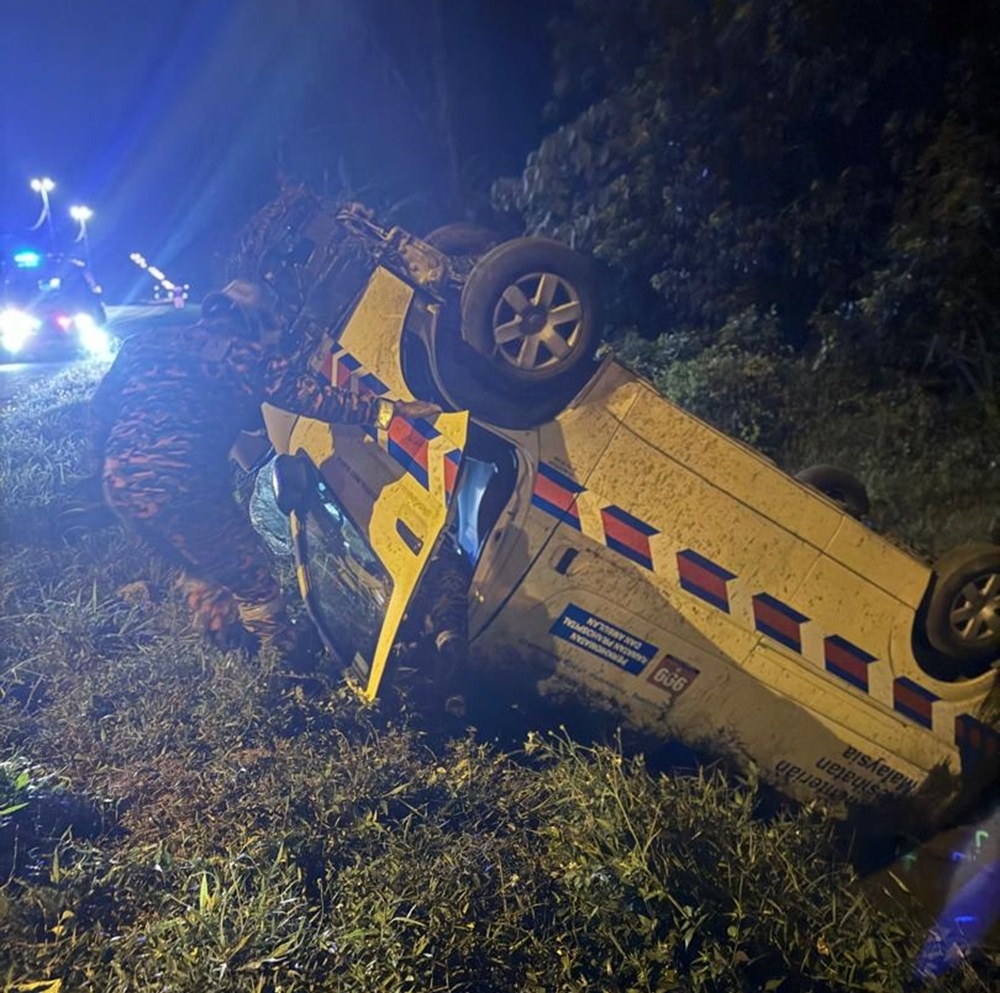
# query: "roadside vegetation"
[[174, 818], [796, 204]]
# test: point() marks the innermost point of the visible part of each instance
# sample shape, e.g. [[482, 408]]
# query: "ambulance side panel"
[[701, 593]]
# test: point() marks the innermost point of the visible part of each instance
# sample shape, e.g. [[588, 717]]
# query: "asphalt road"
[[123, 321]]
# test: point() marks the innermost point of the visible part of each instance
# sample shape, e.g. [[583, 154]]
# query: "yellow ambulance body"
[[642, 561]]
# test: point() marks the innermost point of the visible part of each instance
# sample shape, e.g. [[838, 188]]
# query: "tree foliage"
[[831, 165]]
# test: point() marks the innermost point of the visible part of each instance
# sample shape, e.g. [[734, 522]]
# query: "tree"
[[792, 156]]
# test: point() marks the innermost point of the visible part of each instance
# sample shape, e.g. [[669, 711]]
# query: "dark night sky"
[[169, 119]]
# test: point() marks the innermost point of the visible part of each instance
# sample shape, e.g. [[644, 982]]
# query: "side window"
[[484, 487]]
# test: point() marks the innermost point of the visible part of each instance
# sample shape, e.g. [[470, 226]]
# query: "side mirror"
[[291, 480]]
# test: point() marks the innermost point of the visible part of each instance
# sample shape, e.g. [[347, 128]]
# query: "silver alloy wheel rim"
[[537, 322], [975, 611]]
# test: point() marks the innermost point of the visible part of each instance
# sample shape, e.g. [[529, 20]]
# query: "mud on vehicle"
[[621, 549]]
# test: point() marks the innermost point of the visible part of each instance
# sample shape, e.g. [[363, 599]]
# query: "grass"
[[169, 820]]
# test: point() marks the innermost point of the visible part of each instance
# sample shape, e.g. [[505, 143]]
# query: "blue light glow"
[[27, 259], [971, 906]]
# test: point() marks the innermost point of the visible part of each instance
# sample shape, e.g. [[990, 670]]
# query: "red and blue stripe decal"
[[976, 742], [347, 365], [407, 443], [406, 440], [778, 621], [452, 461], [913, 700], [628, 535], [707, 580], [704, 578], [339, 367], [556, 494], [847, 661], [370, 383]]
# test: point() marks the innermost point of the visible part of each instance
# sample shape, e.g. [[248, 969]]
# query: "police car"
[[622, 550], [50, 307]]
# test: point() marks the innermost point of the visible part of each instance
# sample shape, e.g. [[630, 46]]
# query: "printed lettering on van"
[[602, 638], [854, 774], [672, 676]]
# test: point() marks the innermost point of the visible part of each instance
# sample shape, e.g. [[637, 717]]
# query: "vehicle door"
[[369, 511]]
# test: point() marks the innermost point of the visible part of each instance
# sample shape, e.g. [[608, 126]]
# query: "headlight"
[[16, 327], [93, 337]]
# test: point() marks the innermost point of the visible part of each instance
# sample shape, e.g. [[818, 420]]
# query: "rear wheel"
[[963, 609], [522, 342], [466, 381], [841, 486]]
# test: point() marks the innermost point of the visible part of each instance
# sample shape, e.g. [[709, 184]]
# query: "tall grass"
[[169, 820]]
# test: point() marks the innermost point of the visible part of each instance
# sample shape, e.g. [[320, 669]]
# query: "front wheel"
[[530, 309], [963, 610], [839, 485]]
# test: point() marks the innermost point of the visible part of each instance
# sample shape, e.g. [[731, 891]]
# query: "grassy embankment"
[[185, 828]]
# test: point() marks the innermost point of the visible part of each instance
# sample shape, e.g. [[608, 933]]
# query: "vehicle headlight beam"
[[16, 327], [93, 338]]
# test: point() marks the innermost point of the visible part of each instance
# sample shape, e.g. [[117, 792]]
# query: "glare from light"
[[16, 327], [81, 214], [43, 187], [971, 908], [27, 259], [93, 338]]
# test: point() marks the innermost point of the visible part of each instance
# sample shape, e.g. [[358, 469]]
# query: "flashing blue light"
[[27, 260]]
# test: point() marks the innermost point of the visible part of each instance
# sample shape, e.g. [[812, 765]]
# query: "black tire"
[[963, 609], [465, 380], [841, 486], [530, 309], [462, 238]]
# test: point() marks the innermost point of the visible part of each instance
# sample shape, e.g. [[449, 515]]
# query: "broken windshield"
[[350, 589]]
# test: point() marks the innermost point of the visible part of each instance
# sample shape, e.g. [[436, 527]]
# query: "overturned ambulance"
[[620, 549]]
